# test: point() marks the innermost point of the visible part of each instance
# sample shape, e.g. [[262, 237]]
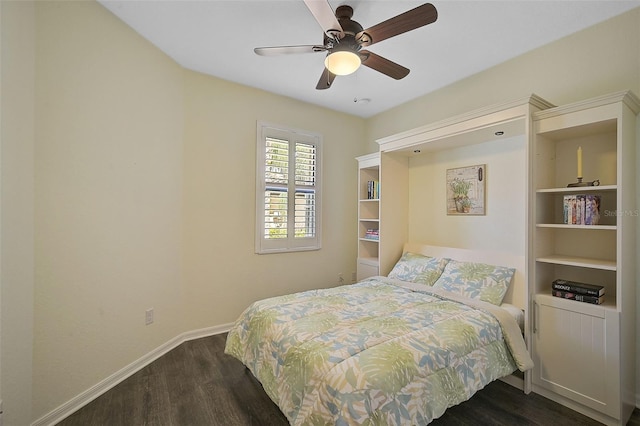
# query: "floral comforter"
[[375, 352]]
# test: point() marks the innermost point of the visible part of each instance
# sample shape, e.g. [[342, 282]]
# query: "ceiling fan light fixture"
[[342, 62]]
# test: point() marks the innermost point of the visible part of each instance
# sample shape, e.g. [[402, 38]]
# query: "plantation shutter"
[[288, 191]]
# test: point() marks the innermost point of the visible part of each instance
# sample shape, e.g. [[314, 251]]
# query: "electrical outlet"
[[148, 316], [354, 277]]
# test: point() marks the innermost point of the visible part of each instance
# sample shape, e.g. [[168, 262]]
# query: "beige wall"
[[108, 199], [17, 136], [128, 183], [222, 274], [502, 228]]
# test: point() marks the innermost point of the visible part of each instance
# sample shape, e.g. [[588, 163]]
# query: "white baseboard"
[[95, 391]]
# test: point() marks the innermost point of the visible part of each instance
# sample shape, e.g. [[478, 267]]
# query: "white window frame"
[[291, 243]]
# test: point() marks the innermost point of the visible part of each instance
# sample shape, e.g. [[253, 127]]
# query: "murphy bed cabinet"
[[368, 216], [411, 168], [584, 353]]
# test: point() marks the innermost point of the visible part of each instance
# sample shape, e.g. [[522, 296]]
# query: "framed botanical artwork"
[[466, 190]]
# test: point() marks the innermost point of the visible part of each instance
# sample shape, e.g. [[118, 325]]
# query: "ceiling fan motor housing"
[[350, 28]]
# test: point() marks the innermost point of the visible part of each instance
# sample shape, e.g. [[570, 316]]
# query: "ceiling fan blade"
[[326, 79], [383, 65], [407, 21], [321, 10], [287, 50]]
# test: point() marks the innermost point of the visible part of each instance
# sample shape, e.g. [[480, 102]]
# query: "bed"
[[392, 350]]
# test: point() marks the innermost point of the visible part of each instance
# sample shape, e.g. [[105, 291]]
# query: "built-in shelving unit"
[[368, 216], [584, 354], [572, 337]]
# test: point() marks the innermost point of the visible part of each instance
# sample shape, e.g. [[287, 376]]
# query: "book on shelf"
[[595, 300], [373, 190], [578, 287], [581, 209], [592, 210], [372, 234]]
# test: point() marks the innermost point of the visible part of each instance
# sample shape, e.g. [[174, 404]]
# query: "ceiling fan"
[[345, 38]]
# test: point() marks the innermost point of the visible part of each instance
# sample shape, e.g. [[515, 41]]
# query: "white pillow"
[[476, 280], [417, 268]]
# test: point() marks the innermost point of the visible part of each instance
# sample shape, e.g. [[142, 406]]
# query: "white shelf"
[[364, 219], [576, 306], [582, 262], [372, 261], [580, 189], [371, 240], [568, 226]]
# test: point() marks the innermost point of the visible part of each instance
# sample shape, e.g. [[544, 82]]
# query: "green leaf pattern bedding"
[[374, 353]]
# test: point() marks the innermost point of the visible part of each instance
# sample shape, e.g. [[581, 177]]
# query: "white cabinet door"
[[366, 270], [576, 352]]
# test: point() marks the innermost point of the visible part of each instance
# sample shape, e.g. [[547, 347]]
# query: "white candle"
[[579, 162]]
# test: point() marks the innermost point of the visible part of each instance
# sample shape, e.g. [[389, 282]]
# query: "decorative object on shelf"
[[466, 190], [579, 154], [580, 182]]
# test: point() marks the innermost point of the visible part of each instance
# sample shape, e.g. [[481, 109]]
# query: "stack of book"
[[372, 234], [581, 209], [373, 190], [582, 292]]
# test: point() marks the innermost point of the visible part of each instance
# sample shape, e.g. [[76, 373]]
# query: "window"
[[287, 190]]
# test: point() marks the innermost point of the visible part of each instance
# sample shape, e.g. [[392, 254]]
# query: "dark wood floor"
[[197, 384]]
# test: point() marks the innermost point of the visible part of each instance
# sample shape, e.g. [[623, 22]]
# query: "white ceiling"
[[217, 37]]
